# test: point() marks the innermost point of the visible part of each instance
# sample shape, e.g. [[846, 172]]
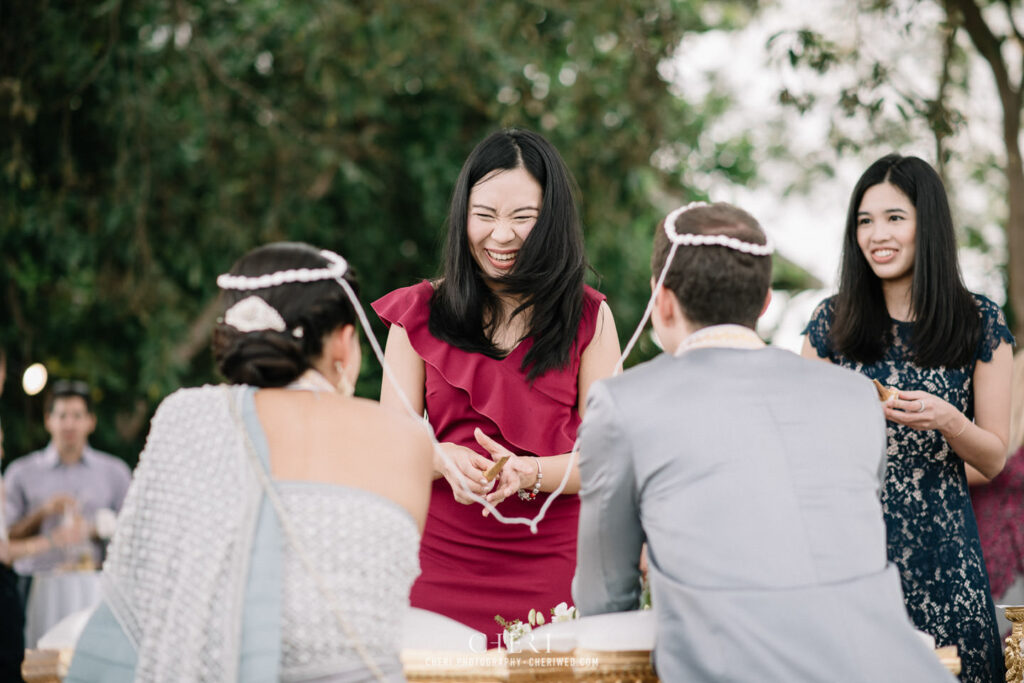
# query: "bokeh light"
[[34, 379]]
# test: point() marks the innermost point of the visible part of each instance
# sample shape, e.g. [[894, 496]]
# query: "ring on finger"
[[921, 409]]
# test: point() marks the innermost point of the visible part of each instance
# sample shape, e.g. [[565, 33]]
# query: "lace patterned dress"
[[202, 584], [364, 546], [930, 525]]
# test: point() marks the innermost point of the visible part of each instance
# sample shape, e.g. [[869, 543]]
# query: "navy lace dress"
[[932, 534]]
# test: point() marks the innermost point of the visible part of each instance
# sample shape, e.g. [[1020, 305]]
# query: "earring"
[[345, 387]]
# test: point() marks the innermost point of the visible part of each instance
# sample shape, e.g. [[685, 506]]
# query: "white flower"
[[105, 523], [563, 612], [513, 633]]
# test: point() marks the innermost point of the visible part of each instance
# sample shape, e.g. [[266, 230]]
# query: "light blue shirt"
[[98, 480]]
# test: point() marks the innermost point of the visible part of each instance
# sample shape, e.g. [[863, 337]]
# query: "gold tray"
[[493, 666], [499, 666]]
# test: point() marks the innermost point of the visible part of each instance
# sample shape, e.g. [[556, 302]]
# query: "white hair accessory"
[[253, 314], [336, 269], [693, 240]]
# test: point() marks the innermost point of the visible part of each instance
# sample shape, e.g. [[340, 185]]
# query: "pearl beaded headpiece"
[[337, 268], [253, 313], [689, 240], [692, 240]]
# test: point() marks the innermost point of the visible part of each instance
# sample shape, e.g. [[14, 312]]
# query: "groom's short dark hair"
[[715, 285]]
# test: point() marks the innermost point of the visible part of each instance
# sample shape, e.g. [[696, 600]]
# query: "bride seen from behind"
[[265, 535]]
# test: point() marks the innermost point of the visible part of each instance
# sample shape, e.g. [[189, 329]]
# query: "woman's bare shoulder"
[[386, 428]]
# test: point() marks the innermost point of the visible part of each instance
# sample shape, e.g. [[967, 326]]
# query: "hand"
[[519, 472], [470, 464], [921, 411], [58, 505], [76, 532]]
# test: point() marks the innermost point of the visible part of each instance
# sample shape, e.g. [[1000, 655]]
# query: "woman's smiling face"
[[503, 208], [886, 229]]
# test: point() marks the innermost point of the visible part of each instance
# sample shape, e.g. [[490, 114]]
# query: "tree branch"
[[1020, 44], [98, 66], [251, 96], [25, 335], [988, 45], [129, 423], [940, 131], [1013, 24], [198, 334], [1019, 92], [145, 191], [202, 86]]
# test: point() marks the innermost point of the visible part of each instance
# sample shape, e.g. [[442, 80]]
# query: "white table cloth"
[[54, 596]]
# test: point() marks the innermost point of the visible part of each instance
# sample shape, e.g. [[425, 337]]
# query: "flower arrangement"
[[516, 629]]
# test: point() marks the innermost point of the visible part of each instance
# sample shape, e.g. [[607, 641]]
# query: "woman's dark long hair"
[[548, 273], [946, 322], [269, 358]]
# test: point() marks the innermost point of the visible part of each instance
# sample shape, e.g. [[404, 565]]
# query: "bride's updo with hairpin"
[[269, 343]]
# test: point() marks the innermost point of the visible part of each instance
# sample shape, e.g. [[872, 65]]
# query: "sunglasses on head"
[[70, 387]]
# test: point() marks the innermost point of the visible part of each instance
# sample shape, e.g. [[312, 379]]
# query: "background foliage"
[[954, 68], [145, 145]]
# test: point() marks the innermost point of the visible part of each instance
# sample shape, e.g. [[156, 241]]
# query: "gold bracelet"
[[966, 422]]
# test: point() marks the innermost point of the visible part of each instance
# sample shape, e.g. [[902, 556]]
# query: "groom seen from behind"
[[753, 477]]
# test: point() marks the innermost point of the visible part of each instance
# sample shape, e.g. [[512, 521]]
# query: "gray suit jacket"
[[753, 476]]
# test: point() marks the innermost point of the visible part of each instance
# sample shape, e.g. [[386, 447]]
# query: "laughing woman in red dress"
[[500, 351]]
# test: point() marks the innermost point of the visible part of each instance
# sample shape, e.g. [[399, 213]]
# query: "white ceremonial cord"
[[647, 311], [336, 271], [573, 456], [298, 547], [459, 476]]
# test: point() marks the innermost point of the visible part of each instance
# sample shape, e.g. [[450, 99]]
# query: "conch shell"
[[885, 394]]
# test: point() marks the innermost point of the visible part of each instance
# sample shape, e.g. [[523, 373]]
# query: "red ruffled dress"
[[474, 567], [999, 508]]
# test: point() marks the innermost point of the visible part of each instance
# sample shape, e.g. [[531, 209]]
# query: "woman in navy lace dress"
[[903, 316]]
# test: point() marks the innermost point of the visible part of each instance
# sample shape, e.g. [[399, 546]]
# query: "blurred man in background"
[[12, 614], [65, 483]]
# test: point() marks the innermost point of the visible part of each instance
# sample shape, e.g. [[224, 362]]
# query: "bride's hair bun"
[[310, 310]]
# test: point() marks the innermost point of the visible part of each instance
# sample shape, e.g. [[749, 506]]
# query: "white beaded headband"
[[689, 240], [692, 240], [337, 268], [253, 313]]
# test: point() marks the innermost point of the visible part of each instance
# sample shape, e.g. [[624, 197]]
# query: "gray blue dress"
[[361, 545]]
